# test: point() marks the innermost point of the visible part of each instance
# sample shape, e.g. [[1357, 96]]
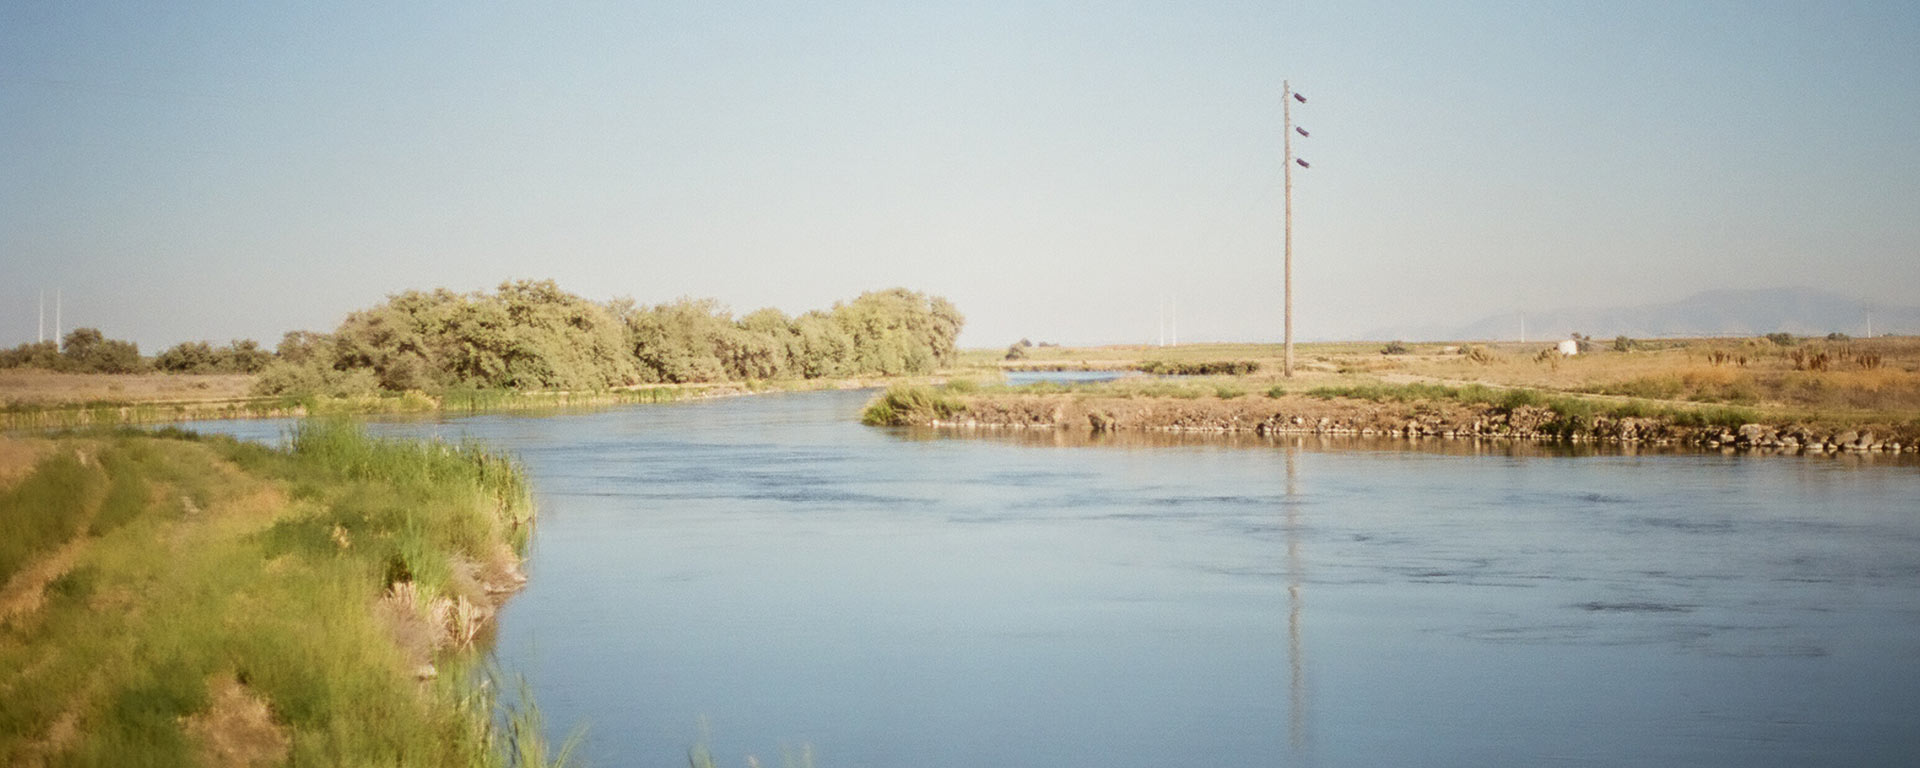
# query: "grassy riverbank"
[[1379, 410], [98, 400], [1775, 392], [177, 600], [69, 413]]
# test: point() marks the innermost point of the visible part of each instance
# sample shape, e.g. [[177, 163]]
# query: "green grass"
[[36, 416], [1572, 414], [202, 560], [1176, 390], [476, 400], [1381, 392], [46, 509], [904, 404], [1567, 415]]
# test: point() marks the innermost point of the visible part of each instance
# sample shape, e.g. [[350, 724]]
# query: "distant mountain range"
[[1799, 311]]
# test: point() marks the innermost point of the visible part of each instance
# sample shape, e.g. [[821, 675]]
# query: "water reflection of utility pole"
[[1297, 685]]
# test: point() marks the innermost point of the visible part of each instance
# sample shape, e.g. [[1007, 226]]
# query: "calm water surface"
[[1019, 378], [893, 598]]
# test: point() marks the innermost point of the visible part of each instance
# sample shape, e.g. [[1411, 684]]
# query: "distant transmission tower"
[[1163, 321]]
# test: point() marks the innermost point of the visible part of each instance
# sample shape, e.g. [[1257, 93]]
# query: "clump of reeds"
[[909, 404]]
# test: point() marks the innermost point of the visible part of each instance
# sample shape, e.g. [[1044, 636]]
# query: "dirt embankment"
[[1295, 414]]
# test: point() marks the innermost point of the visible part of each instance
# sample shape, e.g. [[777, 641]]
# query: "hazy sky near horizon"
[[212, 170]]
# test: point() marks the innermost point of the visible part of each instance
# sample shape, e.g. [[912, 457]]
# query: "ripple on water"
[[1684, 525], [1635, 607]]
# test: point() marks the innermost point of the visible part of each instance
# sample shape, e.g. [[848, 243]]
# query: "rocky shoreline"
[[1294, 415]]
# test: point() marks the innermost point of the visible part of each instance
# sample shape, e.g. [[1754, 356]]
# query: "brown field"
[[31, 387], [1850, 378], [1877, 379]]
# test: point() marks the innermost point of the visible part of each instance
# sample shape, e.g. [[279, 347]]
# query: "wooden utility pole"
[[1286, 142]]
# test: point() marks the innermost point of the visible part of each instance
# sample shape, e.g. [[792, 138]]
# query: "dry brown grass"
[[237, 729], [18, 457], [36, 387], [23, 594], [1878, 376]]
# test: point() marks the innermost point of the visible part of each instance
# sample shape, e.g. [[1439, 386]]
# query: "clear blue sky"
[[215, 170]]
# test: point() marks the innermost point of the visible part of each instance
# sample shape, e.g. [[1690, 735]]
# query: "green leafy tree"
[[240, 356], [187, 357], [772, 346], [304, 346], [824, 347], [560, 341], [678, 341], [898, 331], [89, 351], [394, 341], [43, 354], [244, 356]]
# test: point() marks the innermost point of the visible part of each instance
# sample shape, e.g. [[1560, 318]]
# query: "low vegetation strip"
[[29, 416], [178, 600], [1200, 367], [1573, 414], [1387, 410]]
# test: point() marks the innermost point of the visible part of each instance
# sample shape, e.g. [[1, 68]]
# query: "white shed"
[[1569, 348]]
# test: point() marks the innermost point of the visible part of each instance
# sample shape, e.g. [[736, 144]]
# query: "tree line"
[[87, 350], [533, 335]]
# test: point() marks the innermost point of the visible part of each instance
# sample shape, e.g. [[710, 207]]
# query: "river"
[[769, 572]]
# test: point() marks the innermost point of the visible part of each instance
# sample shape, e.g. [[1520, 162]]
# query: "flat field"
[[1840, 378], [33, 387]]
